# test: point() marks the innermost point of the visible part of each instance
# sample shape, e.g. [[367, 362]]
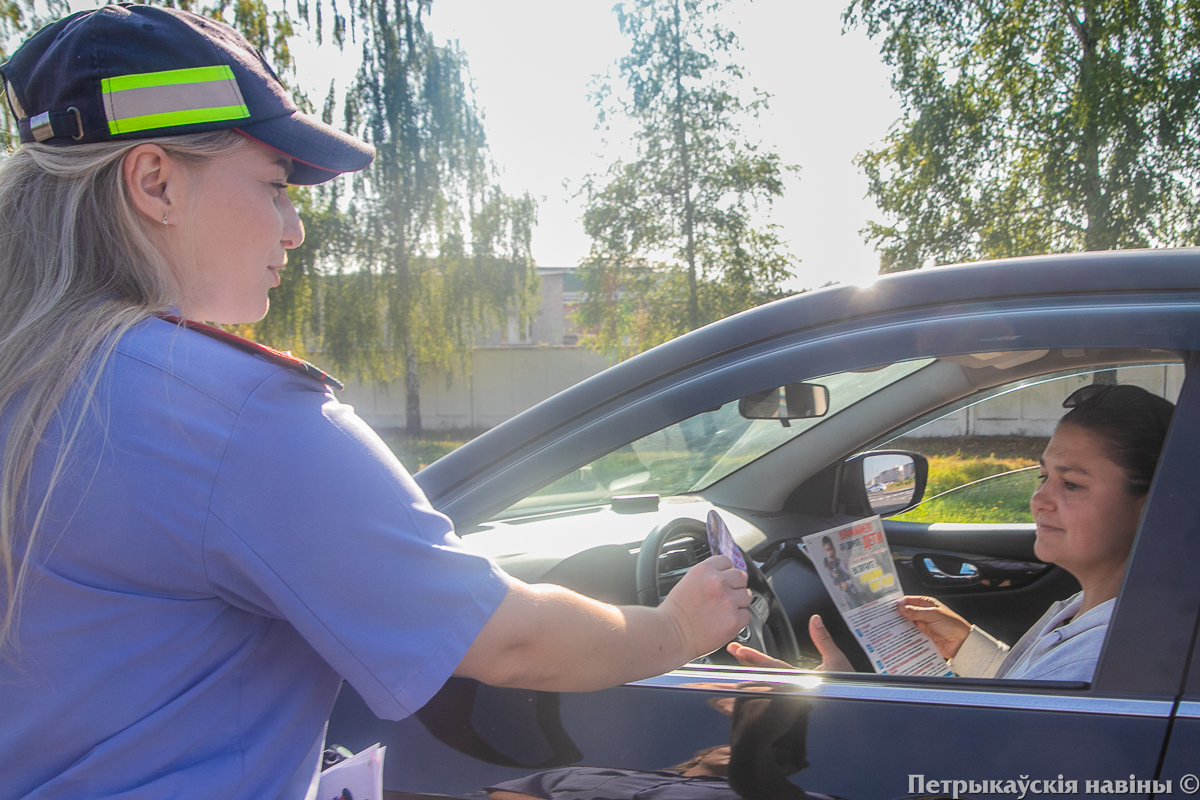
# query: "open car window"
[[983, 455]]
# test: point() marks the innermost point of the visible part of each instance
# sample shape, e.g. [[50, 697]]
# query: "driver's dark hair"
[[1133, 424]]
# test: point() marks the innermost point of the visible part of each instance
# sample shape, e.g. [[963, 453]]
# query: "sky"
[[533, 61]]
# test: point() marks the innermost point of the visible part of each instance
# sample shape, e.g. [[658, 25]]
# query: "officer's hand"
[[709, 606]]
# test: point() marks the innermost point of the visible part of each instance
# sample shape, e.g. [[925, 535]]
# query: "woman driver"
[[1094, 477], [197, 541]]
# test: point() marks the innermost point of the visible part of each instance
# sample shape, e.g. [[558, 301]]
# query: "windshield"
[[697, 452]]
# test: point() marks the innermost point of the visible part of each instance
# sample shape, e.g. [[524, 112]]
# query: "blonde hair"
[[77, 270]]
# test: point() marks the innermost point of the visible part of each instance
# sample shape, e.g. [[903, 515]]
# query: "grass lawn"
[[958, 461]]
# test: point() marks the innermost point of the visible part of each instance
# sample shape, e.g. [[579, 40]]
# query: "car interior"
[[806, 457]]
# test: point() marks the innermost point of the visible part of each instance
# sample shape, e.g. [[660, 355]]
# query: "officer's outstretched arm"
[[546, 637]]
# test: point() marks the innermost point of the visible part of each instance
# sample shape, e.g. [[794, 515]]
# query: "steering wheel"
[[770, 630]]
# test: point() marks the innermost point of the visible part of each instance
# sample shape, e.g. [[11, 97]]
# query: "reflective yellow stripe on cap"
[[174, 97]]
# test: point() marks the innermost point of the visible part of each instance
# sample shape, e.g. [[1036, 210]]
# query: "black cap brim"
[[318, 152]]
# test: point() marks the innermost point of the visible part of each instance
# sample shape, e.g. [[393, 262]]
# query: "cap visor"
[[318, 152]]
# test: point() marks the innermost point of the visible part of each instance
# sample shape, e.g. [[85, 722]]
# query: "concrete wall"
[[1035, 410], [503, 382]]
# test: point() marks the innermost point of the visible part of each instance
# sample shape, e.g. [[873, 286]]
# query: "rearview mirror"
[[794, 401]]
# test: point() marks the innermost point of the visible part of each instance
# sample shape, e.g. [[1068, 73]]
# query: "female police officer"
[[198, 541]]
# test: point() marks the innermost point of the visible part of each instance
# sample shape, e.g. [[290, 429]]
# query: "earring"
[[164, 219]]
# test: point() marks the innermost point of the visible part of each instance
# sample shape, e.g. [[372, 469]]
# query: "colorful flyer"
[[856, 566]]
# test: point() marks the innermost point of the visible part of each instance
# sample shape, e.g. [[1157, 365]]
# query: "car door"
[[849, 735]]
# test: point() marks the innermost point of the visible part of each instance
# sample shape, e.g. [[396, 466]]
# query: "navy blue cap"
[[127, 72]]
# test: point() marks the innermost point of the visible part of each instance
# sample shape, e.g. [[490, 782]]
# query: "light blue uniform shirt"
[[227, 543]]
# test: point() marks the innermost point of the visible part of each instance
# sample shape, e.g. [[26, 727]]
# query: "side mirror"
[[794, 401], [883, 482]]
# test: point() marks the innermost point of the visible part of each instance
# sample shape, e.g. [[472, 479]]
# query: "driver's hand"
[[947, 629], [709, 606], [749, 657], [832, 657]]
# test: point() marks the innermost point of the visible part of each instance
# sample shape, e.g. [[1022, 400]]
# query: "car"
[[604, 488]]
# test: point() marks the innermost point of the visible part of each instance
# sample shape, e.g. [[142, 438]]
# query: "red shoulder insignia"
[[269, 353]]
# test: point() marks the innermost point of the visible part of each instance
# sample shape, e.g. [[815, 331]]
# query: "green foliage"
[[976, 477], [1035, 127], [673, 246], [1004, 499]]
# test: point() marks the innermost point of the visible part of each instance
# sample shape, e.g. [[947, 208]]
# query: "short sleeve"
[[314, 521]]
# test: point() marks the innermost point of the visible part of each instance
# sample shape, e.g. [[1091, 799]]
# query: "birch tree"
[[444, 254], [673, 240]]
